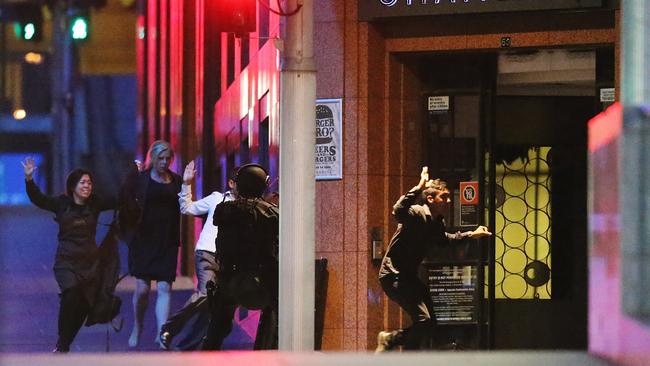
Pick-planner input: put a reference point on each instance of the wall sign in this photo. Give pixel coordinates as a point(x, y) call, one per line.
point(374, 9)
point(438, 103)
point(607, 95)
point(468, 203)
point(329, 139)
point(453, 291)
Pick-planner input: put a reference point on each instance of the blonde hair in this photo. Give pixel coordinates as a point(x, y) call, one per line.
point(157, 147)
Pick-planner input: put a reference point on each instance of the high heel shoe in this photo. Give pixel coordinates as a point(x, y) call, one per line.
point(61, 349)
point(165, 340)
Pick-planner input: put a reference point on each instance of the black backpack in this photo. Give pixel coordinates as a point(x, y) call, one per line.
point(247, 234)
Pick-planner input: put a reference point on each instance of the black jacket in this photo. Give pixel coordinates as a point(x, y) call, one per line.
point(132, 198)
point(248, 233)
point(417, 231)
point(76, 258)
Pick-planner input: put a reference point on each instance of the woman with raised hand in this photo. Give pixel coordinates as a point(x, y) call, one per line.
point(150, 214)
point(76, 262)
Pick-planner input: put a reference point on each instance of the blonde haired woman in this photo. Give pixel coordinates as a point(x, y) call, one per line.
point(150, 202)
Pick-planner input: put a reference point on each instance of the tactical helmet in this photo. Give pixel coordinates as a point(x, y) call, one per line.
point(252, 180)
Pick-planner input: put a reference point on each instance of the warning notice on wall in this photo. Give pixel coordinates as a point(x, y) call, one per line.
point(468, 203)
point(329, 139)
point(438, 103)
point(453, 292)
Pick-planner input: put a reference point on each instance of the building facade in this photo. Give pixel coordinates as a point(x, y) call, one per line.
point(492, 93)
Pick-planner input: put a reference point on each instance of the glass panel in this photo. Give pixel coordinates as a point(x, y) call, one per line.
point(522, 225)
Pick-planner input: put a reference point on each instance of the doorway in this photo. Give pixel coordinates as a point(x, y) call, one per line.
point(514, 123)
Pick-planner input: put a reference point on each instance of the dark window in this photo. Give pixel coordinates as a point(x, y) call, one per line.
point(244, 150)
point(230, 164)
point(263, 23)
point(264, 143)
point(231, 58)
point(245, 51)
point(36, 87)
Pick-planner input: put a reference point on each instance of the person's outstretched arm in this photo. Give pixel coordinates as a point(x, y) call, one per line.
point(189, 207)
point(480, 232)
point(33, 192)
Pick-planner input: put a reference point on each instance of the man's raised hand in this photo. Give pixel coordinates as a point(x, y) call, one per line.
point(424, 178)
point(189, 173)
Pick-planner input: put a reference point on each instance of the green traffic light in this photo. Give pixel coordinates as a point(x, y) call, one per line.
point(79, 28)
point(29, 30)
point(25, 31)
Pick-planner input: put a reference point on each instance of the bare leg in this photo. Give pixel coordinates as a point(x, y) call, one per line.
point(140, 303)
point(162, 303)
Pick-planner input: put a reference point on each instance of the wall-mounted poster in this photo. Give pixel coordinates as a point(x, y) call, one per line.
point(329, 139)
point(468, 203)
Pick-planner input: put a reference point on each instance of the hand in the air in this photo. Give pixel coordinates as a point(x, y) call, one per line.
point(189, 173)
point(138, 164)
point(29, 166)
point(424, 177)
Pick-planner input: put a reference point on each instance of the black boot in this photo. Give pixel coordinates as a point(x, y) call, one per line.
point(61, 348)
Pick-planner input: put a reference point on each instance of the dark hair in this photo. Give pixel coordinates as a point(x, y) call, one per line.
point(433, 188)
point(232, 175)
point(73, 179)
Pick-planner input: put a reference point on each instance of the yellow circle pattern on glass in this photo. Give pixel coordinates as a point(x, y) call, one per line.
point(515, 209)
point(514, 234)
point(514, 286)
point(522, 224)
point(500, 222)
point(537, 247)
point(537, 222)
point(518, 164)
point(514, 183)
point(537, 196)
point(514, 260)
point(536, 165)
point(499, 247)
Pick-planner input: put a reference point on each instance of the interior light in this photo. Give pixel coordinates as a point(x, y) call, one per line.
point(33, 58)
point(20, 114)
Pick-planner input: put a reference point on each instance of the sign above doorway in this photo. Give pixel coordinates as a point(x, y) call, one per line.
point(376, 9)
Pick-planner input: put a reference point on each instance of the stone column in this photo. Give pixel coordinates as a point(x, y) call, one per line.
point(297, 185)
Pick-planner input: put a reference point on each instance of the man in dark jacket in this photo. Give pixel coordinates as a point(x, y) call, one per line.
point(247, 260)
point(419, 227)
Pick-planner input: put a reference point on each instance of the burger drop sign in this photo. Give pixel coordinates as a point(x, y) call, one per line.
point(329, 152)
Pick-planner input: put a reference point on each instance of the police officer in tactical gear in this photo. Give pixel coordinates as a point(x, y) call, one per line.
point(247, 259)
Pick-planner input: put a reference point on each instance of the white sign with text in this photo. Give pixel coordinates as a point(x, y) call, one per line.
point(329, 139)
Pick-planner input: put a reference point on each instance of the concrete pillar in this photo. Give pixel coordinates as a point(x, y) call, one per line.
point(297, 185)
point(634, 174)
point(63, 66)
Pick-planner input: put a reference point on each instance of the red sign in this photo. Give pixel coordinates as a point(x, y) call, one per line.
point(469, 193)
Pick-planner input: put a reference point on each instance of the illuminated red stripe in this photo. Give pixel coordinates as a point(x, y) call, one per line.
point(605, 127)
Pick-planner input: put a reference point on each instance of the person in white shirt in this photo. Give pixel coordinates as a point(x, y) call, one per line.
point(194, 316)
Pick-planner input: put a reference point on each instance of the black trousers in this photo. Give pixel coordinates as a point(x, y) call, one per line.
point(191, 321)
point(413, 297)
point(223, 303)
point(73, 310)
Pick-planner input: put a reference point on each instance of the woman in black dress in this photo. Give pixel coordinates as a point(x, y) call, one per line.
point(76, 262)
point(155, 235)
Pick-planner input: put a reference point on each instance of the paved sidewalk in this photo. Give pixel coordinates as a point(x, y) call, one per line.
point(29, 294)
point(274, 358)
